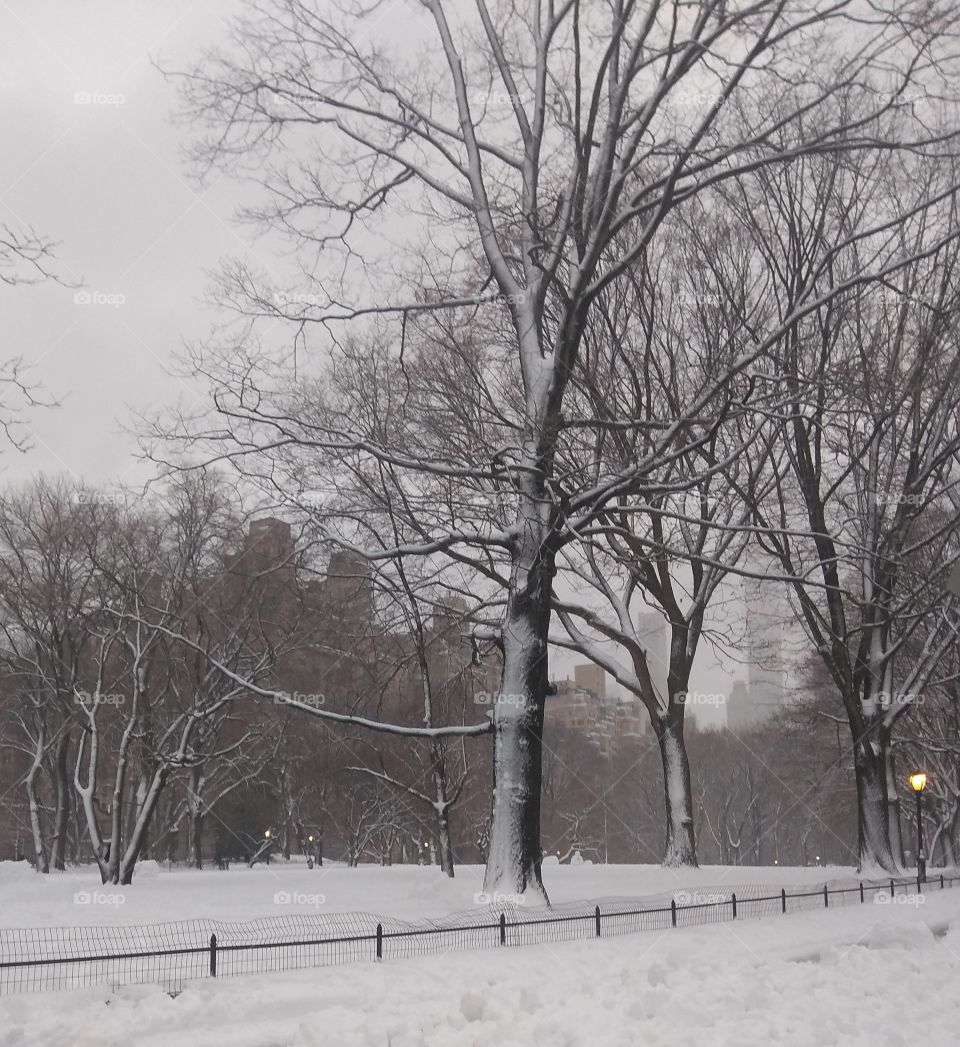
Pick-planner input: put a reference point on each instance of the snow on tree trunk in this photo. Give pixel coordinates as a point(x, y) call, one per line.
point(35, 827)
point(196, 838)
point(138, 837)
point(872, 808)
point(513, 858)
point(681, 848)
point(945, 841)
point(894, 829)
point(196, 815)
point(445, 850)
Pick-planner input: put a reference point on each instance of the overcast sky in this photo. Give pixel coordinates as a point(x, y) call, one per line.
point(91, 160)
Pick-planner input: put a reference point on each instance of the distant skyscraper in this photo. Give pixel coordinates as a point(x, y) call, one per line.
point(652, 630)
point(767, 618)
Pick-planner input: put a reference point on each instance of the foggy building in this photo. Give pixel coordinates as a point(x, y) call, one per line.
point(590, 677)
point(760, 691)
point(608, 721)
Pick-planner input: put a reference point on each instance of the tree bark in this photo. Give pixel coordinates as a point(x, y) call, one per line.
point(196, 817)
point(894, 828)
point(443, 836)
point(61, 820)
point(36, 829)
point(514, 856)
point(870, 771)
point(681, 847)
point(946, 838)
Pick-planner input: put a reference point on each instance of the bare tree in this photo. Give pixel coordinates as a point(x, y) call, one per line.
point(47, 593)
point(532, 209)
point(865, 452)
point(659, 550)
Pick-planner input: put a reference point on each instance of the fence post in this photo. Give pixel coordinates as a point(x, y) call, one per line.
point(213, 956)
point(379, 941)
point(733, 902)
point(919, 882)
point(783, 900)
point(503, 929)
point(596, 913)
point(673, 911)
point(941, 881)
point(891, 888)
point(826, 897)
point(861, 892)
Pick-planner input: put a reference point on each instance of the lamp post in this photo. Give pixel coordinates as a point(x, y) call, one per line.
point(918, 783)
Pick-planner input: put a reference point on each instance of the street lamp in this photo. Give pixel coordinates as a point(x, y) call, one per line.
point(918, 782)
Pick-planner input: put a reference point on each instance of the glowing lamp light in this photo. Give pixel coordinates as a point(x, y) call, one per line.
point(918, 782)
point(311, 838)
point(267, 833)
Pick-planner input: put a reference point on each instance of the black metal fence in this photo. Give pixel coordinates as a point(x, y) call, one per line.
point(173, 954)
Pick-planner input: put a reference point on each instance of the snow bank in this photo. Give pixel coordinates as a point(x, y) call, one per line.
point(16, 872)
point(799, 981)
point(406, 892)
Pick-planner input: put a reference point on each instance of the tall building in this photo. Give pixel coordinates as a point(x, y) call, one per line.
point(590, 677)
point(654, 635)
point(609, 722)
point(766, 664)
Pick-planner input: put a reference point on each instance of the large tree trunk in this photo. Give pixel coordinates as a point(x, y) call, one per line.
point(139, 835)
point(513, 859)
point(441, 808)
point(36, 829)
point(196, 816)
point(61, 818)
point(894, 829)
point(873, 813)
point(946, 836)
point(443, 836)
point(681, 847)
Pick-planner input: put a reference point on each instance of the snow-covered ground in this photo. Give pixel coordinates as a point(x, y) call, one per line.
point(883, 973)
point(405, 891)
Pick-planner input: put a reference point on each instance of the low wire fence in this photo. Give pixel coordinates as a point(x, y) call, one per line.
point(173, 954)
